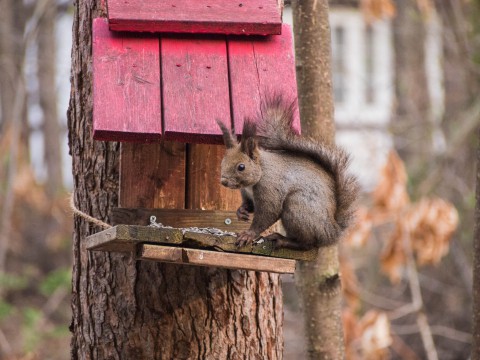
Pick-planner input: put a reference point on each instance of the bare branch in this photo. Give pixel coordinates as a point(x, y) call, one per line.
point(438, 330)
point(6, 348)
point(417, 301)
point(467, 122)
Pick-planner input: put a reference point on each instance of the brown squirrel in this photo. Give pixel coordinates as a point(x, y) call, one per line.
point(286, 176)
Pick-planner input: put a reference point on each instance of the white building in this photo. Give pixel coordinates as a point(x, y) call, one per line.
point(363, 79)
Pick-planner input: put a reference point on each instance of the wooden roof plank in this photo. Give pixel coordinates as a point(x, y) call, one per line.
point(258, 67)
point(199, 83)
point(195, 88)
point(245, 17)
point(126, 86)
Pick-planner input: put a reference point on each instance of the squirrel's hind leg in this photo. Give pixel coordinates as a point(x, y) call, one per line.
point(281, 241)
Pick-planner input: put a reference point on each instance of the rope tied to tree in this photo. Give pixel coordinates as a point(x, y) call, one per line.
point(153, 223)
point(87, 217)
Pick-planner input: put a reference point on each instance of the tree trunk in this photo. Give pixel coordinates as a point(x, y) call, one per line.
point(318, 282)
point(313, 63)
point(123, 309)
point(412, 120)
point(21, 14)
point(13, 115)
point(48, 98)
point(474, 54)
point(476, 267)
point(8, 70)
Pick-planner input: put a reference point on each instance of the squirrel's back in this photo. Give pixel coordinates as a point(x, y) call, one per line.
point(275, 133)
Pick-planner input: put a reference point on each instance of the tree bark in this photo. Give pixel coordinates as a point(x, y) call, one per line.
point(475, 53)
point(313, 63)
point(318, 282)
point(48, 98)
point(123, 309)
point(476, 267)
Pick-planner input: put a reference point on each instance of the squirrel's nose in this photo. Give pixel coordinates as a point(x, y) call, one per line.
point(224, 181)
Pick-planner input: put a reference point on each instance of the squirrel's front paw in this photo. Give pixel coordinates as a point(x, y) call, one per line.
point(242, 213)
point(245, 238)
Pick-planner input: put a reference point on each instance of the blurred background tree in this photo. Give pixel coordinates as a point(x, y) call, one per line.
point(35, 226)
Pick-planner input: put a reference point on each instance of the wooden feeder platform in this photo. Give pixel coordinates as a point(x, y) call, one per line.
point(190, 247)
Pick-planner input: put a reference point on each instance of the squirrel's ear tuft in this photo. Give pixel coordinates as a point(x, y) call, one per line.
point(249, 128)
point(249, 147)
point(228, 137)
point(249, 143)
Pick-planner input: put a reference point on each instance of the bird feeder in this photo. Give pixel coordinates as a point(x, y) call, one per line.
point(165, 71)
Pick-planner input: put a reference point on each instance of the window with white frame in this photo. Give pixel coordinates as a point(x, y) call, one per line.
point(361, 67)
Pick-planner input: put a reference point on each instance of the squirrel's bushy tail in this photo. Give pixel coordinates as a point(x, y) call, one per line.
point(275, 133)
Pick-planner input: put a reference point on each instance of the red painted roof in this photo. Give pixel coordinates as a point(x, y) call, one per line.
point(152, 87)
point(245, 17)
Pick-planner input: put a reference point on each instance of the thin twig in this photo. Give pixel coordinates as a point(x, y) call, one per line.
point(417, 301)
point(402, 349)
point(438, 330)
point(403, 311)
point(453, 334)
point(6, 348)
point(468, 122)
point(52, 304)
point(378, 300)
point(426, 334)
point(463, 265)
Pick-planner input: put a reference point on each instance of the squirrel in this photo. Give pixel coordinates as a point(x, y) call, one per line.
point(283, 175)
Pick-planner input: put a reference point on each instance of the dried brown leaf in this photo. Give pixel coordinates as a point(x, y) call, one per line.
point(390, 195)
point(351, 335)
point(367, 338)
point(377, 9)
point(431, 224)
point(426, 7)
point(393, 256)
point(27, 189)
point(360, 232)
point(375, 335)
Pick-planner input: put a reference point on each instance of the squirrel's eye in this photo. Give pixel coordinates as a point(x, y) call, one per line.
point(241, 167)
